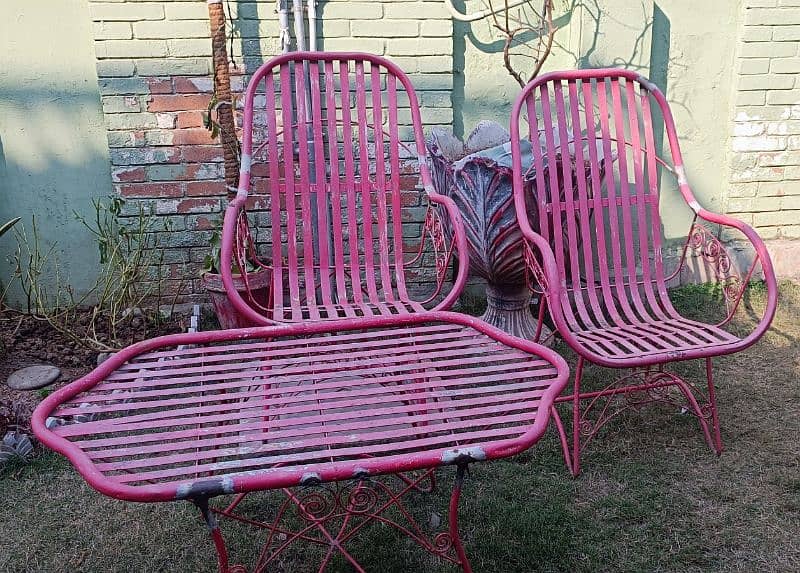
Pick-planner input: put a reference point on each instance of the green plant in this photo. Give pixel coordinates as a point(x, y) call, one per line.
point(131, 274)
point(213, 260)
point(4, 228)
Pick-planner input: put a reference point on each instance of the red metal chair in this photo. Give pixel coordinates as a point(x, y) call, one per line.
point(362, 383)
point(595, 245)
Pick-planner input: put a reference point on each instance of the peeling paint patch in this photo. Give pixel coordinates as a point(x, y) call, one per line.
point(475, 454)
point(204, 488)
point(310, 478)
point(360, 473)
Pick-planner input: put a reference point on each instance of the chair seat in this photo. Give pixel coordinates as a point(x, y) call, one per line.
point(238, 414)
point(673, 337)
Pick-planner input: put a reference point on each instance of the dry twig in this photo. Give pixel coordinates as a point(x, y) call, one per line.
point(541, 25)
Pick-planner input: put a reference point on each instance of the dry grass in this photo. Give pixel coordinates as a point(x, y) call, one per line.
point(652, 496)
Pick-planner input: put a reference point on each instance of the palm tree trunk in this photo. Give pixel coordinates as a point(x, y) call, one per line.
point(222, 89)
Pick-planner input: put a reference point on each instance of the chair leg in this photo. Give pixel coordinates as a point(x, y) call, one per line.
point(562, 436)
point(217, 538)
point(712, 404)
point(576, 420)
point(453, 520)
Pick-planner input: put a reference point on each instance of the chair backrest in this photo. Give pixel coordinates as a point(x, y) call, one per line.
point(334, 134)
point(592, 188)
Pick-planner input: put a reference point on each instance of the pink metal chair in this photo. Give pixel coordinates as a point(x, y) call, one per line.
point(362, 383)
point(595, 245)
point(341, 184)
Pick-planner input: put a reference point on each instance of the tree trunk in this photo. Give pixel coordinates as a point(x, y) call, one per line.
point(222, 89)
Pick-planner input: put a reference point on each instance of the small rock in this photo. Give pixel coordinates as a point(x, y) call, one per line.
point(33, 377)
point(102, 357)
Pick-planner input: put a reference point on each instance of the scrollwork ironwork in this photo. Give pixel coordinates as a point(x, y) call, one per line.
point(705, 244)
point(654, 386)
point(442, 250)
point(534, 271)
point(331, 514)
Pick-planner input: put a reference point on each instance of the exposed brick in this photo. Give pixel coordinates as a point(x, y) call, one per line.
point(198, 205)
point(205, 188)
point(193, 136)
point(147, 190)
point(195, 85)
point(202, 153)
point(178, 102)
point(160, 85)
point(204, 171)
point(128, 174)
point(189, 119)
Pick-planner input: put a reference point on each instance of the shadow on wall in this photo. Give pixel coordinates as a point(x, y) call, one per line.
point(50, 166)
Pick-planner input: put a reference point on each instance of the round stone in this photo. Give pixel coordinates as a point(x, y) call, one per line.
point(33, 377)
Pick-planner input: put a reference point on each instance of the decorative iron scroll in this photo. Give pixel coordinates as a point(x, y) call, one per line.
point(654, 386)
point(703, 243)
point(442, 248)
point(534, 274)
point(330, 515)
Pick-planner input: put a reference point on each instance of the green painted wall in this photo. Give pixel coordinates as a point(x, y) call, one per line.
point(53, 148)
point(669, 40)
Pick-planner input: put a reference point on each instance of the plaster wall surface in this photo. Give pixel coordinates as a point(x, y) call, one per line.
point(53, 149)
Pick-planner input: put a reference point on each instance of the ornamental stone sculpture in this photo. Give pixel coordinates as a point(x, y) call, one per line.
point(476, 174)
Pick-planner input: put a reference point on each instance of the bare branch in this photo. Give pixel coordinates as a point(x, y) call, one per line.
point(512, 27)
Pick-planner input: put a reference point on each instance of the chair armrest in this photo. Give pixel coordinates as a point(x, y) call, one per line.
point(230, 229)
point(722, 267)
point(444, 252)
point(542, 265)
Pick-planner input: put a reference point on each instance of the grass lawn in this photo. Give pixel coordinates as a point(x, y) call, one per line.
point(652, 496)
